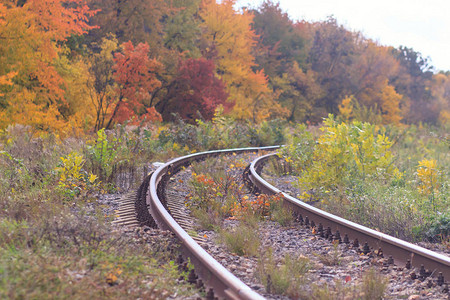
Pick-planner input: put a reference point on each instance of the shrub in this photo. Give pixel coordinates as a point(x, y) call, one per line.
point(438, 228)
point(298, 153)
point(73, 180)
point(345, 152)
point(261, 207)
point(102, 154)
point(428, 175)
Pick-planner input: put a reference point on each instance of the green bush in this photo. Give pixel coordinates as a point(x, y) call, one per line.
point(102, 154)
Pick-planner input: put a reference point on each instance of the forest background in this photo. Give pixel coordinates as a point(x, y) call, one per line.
point(70, 67)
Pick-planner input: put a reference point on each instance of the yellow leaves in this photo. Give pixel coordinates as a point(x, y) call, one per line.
point(32, 57)
point(73, 180)
point(346, 107)
point(390, 105)
point(440, 89)
point(229, 30)
point(23, 109)
point(92, 178)
point(427, 172)
point(6, 79)
point(113, 276)
point(231, 34)
point(444, 117)
point(345, 149)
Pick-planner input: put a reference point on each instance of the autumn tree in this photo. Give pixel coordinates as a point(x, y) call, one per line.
point(78, 112)
point(196, 90)
point(281, 53)
point(101, 84)
point(370, 74)
point(229, 37)
point(298, 92)
point(134, 72)
point(371, 67)
point(280, 44)
point(32, 59)
point(331, 54)
point(413, 81)
point(440, 89)
point(132, 20)
point(182, 28)
point(390, 105)
point(181, 35)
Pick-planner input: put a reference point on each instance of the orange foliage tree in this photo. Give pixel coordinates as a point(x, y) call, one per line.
point(229, 37)
point(441, 95)
point(35, 32)
point(135, 74)
point(370, 75)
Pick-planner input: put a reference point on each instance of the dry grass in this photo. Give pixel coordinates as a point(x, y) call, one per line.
point(52, 247)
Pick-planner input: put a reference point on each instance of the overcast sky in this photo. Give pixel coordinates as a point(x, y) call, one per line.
point(422, 25)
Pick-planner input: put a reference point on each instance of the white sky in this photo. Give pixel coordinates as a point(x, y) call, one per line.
point(423, 25)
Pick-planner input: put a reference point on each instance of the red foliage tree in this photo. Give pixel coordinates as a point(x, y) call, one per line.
point(135, 74)
point(195, 89)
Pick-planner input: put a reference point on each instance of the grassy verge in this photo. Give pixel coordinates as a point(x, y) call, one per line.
point(53, 252)
point(55, 240)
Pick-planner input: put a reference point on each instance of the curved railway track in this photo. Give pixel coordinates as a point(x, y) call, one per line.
point(221, 282)
point(153, 209)
point(336, 228)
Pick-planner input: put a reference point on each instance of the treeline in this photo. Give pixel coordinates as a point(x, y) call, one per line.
point(77, 65)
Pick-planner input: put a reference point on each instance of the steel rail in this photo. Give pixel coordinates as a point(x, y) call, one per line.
point(225, 284)
point(400, 250)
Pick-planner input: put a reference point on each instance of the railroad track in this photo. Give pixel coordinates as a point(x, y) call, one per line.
point(220, 282)
point(156, 207)
point(429, 263)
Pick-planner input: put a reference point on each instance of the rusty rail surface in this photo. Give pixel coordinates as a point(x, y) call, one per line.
point(221, 282)
point(436, 264)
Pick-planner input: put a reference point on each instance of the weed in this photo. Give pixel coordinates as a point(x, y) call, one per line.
point(241, 239)
point(373, 286)
point(281, 214)
point(213, 193)
point(337, 292)
point(207, 218)
point(333, 257)
point(53, 247)
point(261, 206)
point(285, 277)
